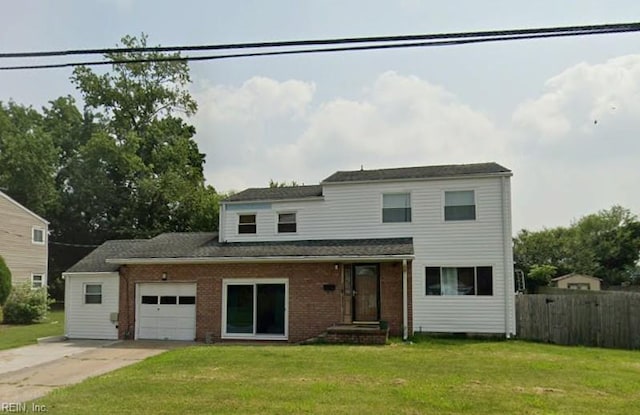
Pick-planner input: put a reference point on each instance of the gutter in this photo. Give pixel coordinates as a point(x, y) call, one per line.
point(258, 259)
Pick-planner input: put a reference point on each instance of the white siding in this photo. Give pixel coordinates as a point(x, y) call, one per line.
point(354, 211)
point(90, 321)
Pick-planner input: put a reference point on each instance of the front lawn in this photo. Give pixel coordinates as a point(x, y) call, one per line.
point(21, 335)
point(431, 377)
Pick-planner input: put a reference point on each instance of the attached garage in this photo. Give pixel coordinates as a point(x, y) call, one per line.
point(166, 311)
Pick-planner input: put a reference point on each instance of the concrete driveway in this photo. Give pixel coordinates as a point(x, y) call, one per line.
point(30, 372)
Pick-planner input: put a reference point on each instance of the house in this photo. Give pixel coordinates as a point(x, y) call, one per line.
point(577, 282)
point(23, 242)
point(420, 248)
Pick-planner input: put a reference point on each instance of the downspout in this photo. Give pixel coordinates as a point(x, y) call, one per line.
point(221, 209)
point(405, 305)
point(506, 242)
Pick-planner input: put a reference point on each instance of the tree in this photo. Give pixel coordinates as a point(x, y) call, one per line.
point(540, 276)
point(5, 281)
point(273, 183)
point(605, 244)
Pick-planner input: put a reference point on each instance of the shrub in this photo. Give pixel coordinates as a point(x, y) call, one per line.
point(5, 281)
point(26, 305)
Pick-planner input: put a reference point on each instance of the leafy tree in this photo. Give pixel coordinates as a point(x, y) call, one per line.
point(5, 281)
point(292, 183)
point(539, 276)
point(605, 244)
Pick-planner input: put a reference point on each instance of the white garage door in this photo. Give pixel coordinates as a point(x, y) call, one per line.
point(166, 311)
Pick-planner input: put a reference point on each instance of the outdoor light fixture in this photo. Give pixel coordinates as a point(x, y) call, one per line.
point(164, 276)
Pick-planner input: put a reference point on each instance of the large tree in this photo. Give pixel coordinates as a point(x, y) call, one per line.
point(605, 244)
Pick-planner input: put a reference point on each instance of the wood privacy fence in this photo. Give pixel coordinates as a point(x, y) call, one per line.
point(604, 319)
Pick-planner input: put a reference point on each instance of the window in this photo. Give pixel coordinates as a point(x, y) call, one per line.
point(286, 222)
point(459, 205)
point(255, 309)
point(459, 281)
point(93, 294)
point(37, 280)
point(149, 299)
point(37, 235)
point(396, 207)
point(168, 299)
point(247, 223)
point(579, 286)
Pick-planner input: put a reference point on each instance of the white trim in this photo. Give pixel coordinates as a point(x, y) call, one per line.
point(23, 208)
point(255, 222)
point(475, 267)
point(44, 235)
point(97, 273)
point(300, 199)
point(253, 282)
point(475, 204)
point(211, 260)
point(277, 221)
point(381, 207)
point(84, 293)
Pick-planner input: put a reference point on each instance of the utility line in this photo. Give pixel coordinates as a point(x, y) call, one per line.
point(457, 39)
point(605, 28)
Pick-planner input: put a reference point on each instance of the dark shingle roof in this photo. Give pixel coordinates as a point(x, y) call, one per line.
point(206, 245)
point(276, 193)
point(423, 172)
point(95, 261)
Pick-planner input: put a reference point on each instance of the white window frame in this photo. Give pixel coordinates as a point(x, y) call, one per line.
point(84, 293)
point(444, 204)
point(475, 266)
point(399, 192)
point(286, 212)
point(42, 280)
point(255, 214)
point(254, 281)
point(33, 234)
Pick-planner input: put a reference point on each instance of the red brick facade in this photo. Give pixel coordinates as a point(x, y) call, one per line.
point(311, 308)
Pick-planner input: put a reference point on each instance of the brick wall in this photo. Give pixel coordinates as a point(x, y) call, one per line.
point(311, 309)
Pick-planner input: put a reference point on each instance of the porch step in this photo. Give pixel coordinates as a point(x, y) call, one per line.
point(357, 334)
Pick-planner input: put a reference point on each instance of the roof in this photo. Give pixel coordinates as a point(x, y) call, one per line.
point(6, 196)
point(276, 193)
point(206, 245)
point(96, 260)
point(422, 172)
point(564, 277)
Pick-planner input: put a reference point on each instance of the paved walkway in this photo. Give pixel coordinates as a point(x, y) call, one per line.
point(30, 372)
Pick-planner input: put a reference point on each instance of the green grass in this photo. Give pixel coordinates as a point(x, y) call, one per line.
point(21, 335)
point(432, 376)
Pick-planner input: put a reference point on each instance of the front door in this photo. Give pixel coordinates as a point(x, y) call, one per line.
point(366, 294)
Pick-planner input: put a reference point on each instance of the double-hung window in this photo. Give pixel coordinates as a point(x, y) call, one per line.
point(93, 293)
point(287, 223)
point(459, 281)
point(459, 205)
point(37, 281)
point(247, 223)
point(37, 235)
point(396, 207)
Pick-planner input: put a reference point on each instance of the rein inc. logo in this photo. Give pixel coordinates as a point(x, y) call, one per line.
point(18, 407)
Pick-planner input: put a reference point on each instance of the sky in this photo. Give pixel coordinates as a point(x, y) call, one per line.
point(563, 114)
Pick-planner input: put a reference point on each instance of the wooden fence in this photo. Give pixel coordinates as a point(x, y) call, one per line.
point(603, 319)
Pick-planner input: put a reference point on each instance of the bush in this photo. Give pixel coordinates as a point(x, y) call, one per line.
point(26, 305)
point(5, 281)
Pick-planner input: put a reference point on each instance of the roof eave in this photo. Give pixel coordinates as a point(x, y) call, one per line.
point(262, 259)
point(11, 200)
point(421, 179)
point(297, 199)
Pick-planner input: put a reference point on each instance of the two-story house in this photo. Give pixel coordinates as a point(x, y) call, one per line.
point(23, 242)
point(421, 248)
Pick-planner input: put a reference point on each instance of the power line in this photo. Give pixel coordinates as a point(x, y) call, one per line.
point(455, 39)
point(604, 28)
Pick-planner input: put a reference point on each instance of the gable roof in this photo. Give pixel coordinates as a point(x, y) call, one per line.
point(276, 193)
point(11, 200)
point(421, 172)
point(564, 277)
point(95, 261)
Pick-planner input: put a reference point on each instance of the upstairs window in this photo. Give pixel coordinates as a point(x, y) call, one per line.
point(93, 294)
point(459, 205)
point(396, 207)
point(247, 223)
point(459, 281)
point(37, 235)
point(287, 222)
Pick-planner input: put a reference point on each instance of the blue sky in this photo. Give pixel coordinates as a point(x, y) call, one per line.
point(528, 105)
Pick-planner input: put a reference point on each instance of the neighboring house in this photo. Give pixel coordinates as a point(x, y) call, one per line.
point(577, 282)
point(23, 242)
point(421, 248)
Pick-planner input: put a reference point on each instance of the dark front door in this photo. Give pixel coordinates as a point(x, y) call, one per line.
point(366, 294)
